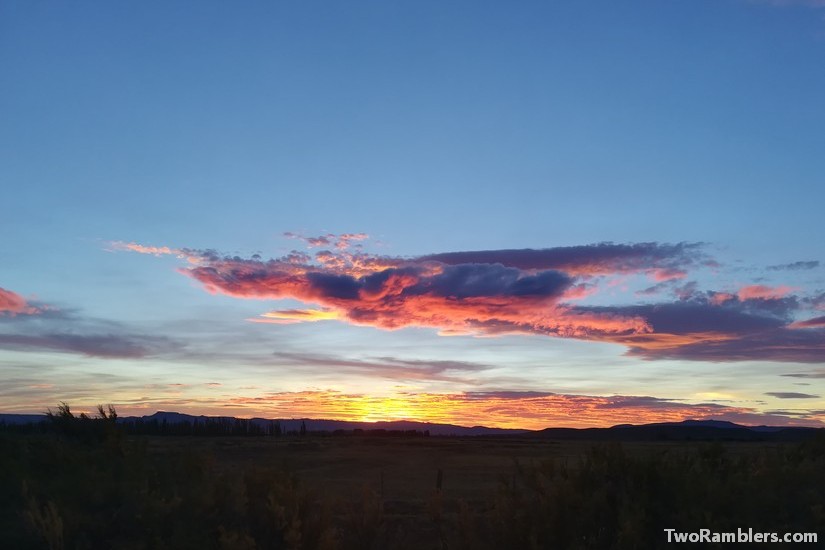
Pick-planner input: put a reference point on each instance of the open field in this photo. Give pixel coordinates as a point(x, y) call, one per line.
point(383, 492)
point(472, 468)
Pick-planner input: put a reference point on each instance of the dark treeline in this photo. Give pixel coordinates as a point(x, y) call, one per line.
point(63, 421)
point(208, 427)
point(106, 423)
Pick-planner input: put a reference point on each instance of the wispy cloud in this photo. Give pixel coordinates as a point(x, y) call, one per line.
point(815, 374)
point(791, 395)
point(339, 242)
point(663, 261)
point(391, 368)
point(66, 331)
point(291, 316)
point(815, 322)
point(91, 345)
point(795, 266)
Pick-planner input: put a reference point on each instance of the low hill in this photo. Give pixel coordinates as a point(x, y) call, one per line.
point(688, 430)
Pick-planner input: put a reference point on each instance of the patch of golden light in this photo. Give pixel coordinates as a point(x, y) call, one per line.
point(289, 316)
point(714, 395)
point(385, 408)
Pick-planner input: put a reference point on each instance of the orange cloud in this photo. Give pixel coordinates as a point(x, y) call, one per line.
point(290, 316)
point(494, 292)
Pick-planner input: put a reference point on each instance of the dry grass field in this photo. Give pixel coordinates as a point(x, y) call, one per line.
point(371, 492)
point(406, 469)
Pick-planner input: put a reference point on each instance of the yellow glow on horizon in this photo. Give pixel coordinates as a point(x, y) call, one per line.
point(517, 410)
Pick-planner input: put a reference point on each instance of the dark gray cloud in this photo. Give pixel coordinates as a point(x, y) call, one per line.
point(815, 374)
point(780, 344)
point(91, 345)
point(474, 280)
point(791, 395)
point(597, 258)
point(692, 317)
point(795, 266)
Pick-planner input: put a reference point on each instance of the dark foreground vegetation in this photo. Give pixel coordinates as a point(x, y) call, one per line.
point(85, 485)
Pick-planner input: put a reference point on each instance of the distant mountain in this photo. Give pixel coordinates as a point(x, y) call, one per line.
point(17, 419)
point(323, 425)
point(293, 424)
point(687, 430)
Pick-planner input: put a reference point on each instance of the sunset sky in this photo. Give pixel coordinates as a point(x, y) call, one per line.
point(515, 214)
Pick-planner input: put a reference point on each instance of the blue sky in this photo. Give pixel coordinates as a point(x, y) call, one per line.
point(432, 127)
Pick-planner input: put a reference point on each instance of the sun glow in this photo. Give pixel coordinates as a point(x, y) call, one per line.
point(385, 408)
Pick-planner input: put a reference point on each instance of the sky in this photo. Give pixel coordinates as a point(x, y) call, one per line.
point(532, 214)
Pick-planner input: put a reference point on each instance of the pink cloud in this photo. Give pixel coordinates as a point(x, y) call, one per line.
point(668, 274)
point(718, 298)
point(12, 304)
point(761, 292)
point(816, 322)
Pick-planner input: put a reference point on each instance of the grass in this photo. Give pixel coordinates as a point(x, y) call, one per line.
point(68, 492)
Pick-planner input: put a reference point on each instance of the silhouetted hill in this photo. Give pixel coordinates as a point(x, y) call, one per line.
point(17, 419)
point(688, 430)
point(323, 425)
point(292, 424)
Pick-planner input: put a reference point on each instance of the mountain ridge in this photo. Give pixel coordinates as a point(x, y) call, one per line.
point(690, 429)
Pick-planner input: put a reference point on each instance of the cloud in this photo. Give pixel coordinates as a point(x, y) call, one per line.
point(791, 395)
point(781, 345)
point(190, 255)
point(814, 374)
point(816, 302)
point(663, 261)
point(339, 242)
point(655, 289)
point(526, 291)
point(291, 316)
point(816, 322)
point(700, 330)
point(761, 292)
point(67, 331)
point(795, 266)
point(110, 346)
point(455, 297)
point(12, 304)
point(387, 367)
